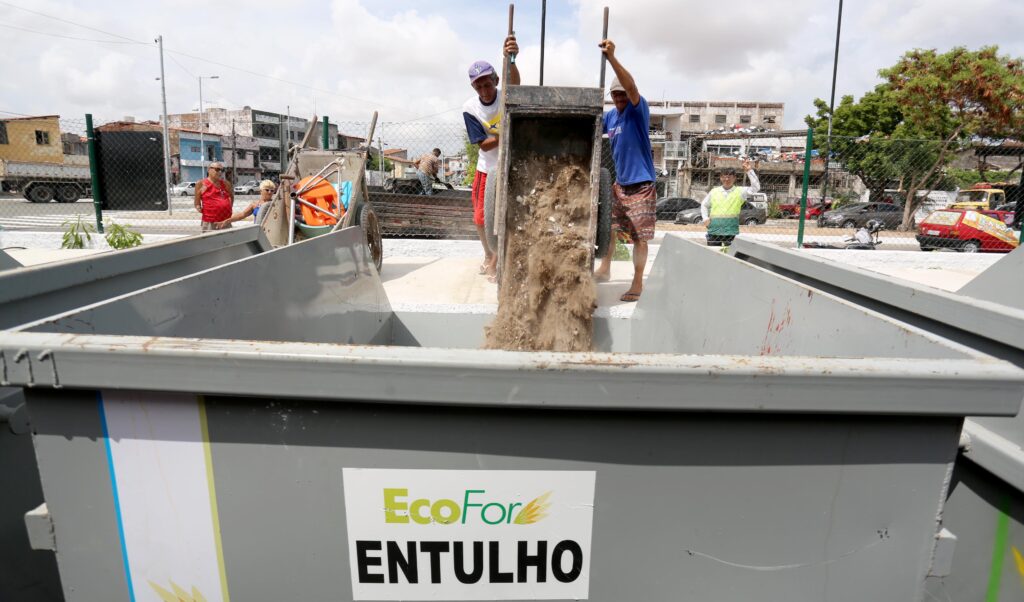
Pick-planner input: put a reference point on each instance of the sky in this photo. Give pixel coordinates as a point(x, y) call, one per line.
point(408, 60)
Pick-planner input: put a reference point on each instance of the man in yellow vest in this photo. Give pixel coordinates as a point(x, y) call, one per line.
point(721, 207)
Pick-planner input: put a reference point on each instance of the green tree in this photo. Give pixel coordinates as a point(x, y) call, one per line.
point(962, 94)
point(867, 138)
point(472, 153)
point(951, 98)
point(374, 163)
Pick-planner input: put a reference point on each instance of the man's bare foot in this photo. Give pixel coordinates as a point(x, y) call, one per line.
point(600, 276)
point(630, 297)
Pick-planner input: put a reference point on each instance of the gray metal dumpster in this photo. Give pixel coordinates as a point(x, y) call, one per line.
point(200, 445)
point(30, 293)
point(985, 509)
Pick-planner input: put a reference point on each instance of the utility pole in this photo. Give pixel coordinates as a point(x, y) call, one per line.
point(167, 140)
point(283, 149)
point(234, 154)
point(202, 126)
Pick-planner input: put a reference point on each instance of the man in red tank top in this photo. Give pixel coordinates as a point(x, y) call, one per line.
point(214, 197)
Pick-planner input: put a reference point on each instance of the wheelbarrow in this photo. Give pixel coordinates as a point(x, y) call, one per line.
point(328, 188)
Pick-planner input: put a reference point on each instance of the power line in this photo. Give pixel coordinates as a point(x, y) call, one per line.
point(34, 12)
point(57, 35)
point(284, 81)
point(428, 116)
point(183, 68)
point(219, 64)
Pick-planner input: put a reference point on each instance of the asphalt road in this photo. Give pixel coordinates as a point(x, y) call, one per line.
point(16, 213)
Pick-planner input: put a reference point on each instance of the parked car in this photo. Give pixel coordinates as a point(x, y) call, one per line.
point(668, 207)
point(749, 215)
point(184, 189)
point(411, 185)
point(966, 231)
point(250, 187)
point(815, 207)
point(1011, 209)
point(759, 200)
point(857, 215)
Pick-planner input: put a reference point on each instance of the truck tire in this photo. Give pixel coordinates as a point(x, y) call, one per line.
point(604, 214)
point(367, 220)
point(68, 193)
point(39, 193)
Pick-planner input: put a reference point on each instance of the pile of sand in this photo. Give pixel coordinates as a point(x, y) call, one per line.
point(547, 296)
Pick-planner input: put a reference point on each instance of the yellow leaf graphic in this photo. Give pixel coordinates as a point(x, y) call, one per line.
point(177, 594)
point(533, 512)
point(1019, 560)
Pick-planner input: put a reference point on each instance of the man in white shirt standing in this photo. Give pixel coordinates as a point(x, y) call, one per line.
point(721, 208)
point(482, 114)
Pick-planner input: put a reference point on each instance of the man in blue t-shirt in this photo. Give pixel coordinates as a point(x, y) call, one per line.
point(633, 210)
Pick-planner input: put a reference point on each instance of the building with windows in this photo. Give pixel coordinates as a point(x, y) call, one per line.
point(31, 139)
point(264, 126)
point(194, 151)
point(242, 158)
point(674, 124)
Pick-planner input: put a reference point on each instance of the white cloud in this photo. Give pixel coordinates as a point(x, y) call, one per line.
point(408, 59)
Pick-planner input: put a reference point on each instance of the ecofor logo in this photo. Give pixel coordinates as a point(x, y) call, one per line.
point(461, 535)
point(447, 511)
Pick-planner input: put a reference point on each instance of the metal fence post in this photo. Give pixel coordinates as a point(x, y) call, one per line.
point(326, 137)
point(94, 176)
point(803, 193)
point(1020, 192)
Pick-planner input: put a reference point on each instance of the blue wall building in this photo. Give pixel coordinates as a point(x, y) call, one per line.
point(192, 154)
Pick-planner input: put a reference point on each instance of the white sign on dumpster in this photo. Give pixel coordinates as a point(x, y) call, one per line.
point(469, 534)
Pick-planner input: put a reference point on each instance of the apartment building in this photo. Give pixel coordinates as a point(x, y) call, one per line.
point(264, 126)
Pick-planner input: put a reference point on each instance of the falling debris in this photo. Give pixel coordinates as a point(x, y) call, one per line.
point(547, 298)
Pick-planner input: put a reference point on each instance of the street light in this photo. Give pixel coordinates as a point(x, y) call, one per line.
point(831, 104)
point(202, 125)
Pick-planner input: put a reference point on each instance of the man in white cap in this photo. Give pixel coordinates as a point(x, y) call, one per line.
point(633, 205)
point(482, 114)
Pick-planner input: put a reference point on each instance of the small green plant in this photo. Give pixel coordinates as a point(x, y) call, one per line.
point(773, 210)
point(621, 252)
point(120, 237)
point(76, 234)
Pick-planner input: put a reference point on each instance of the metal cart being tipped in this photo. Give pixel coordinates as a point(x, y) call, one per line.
point(295, 215)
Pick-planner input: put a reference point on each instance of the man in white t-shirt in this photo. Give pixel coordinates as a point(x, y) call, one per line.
point(482, 114)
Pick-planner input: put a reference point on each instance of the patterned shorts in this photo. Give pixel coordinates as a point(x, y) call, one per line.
point(633, 210)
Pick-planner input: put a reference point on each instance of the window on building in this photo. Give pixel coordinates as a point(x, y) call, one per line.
point(240, 153)
point(193, 149)
point(694, 118)
point(744, 118)
point(211, 154)
point(719, 118)
point(265, 130)
point(769, 118)
point(3, 133)
point(42, 138)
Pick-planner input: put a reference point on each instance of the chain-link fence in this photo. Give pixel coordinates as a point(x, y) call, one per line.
point(911, 194)
point(146, 182)
point(690, 166)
